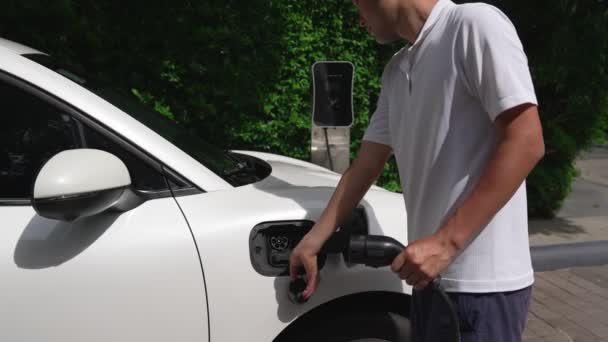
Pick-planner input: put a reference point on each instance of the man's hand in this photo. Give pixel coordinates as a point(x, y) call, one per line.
point(305, 255)
point(423, 260)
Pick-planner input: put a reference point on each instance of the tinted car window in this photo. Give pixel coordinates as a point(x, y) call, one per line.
point(224, 164)
point(143, 176)
point(31, 132)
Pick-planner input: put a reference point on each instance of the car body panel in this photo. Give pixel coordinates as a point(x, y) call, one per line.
point(111, 277)
point(222, 222)
point(17, 48)
point(295, 172)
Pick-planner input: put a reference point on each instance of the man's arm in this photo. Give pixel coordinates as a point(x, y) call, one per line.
point(353, 185)
point(519, 149)
point(355, 182)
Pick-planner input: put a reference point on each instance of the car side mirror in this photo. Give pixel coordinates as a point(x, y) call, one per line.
point(82, 182)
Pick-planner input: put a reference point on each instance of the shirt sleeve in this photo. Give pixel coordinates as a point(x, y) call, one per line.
point(377, 130)
point(493, 61)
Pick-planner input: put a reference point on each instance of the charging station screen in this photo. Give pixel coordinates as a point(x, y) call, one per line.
point(333, 94)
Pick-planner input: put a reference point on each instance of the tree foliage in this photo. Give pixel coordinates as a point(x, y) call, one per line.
point(567, 46)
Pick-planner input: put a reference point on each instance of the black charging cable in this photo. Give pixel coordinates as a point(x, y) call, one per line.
point(331, 163)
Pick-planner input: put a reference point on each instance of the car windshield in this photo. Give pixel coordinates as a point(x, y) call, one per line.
point(219, 161)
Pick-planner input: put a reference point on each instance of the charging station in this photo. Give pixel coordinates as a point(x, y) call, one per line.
point(332, 114)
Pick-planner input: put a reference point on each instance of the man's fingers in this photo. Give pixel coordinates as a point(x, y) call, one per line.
point(398, 262)
point(294, 265)
point(422, 283)
point(312, 276)
point(413, 278)
point(407, 270)
point(310, 266)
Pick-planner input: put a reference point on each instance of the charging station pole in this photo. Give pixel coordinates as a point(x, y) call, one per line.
point(332, 114)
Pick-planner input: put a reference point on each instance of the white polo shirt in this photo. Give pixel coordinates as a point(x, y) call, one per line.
point(436, 110)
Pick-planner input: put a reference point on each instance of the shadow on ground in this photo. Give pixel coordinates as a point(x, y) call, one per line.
point(557, 225)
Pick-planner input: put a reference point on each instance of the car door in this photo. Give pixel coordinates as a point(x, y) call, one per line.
point(132, 276)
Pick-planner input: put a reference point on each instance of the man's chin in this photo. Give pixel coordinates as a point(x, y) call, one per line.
point(385, 41)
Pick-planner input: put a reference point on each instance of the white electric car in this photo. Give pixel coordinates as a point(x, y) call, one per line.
point(117, 225)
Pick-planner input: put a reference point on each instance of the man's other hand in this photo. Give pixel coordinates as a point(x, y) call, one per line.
point(423, 260)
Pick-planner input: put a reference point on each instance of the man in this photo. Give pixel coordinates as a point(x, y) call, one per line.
point(458, 111)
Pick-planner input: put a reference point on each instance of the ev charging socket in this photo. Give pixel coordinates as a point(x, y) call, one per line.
point(332, 114)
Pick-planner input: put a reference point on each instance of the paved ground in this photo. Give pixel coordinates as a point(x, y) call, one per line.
point(569, 305)
point(584, 215)
point(572, 304)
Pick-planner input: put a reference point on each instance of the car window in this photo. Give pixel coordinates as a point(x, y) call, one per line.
point(226, 165)
point(143, 176)
point(31, 132)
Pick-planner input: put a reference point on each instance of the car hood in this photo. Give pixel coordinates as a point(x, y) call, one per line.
point(288, 171)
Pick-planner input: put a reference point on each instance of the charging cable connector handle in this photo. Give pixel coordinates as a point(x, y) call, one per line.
point(372, 250)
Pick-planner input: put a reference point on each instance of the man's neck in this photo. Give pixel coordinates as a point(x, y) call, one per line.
point(412, 16)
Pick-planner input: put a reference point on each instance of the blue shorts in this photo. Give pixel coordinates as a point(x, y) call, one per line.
point(496, 317)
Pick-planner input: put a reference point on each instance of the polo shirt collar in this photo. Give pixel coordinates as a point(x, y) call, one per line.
point(436, 13)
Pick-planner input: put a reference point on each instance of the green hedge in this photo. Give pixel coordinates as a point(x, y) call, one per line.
point(567, 46)
point(238, 73)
